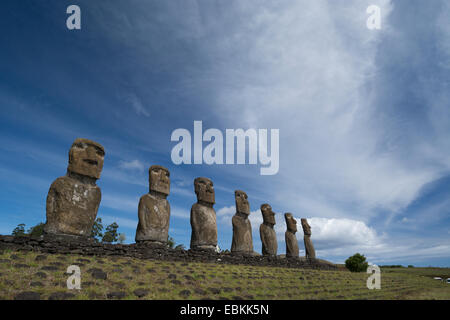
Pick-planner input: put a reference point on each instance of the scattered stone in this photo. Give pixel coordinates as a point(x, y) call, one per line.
point(40, 257)
point(199, 291)
point(27, 295)
point(99, 274)
point(141, 292)
point(50, 268)
point(185, 293)
point(188, 277)
point(116, 295)
point(21, 265)
point(61, 296)
point(226, 289)
point(5, 261)
point(176, 282)
point(214, 290)
point(36, 284)
point(14, 257)
point(237, 298)
point(171, 276)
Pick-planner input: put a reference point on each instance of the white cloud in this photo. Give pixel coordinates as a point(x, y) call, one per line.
point(137, 105)
point(132, 165)
point(120, 202)
point(122, 222)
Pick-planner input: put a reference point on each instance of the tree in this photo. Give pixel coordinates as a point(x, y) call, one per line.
point(170, 242)
point(122, 238)
point(356, 263)
point(19, 231)
point(97, 229)
point(37, 230)
point(111, 235)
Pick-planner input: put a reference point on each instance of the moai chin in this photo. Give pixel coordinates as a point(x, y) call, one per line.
point(154, 209)
point(242, 229)
point(73, 200)
point(266, 231)
point(203, 216)
point(292, 250)
point(309, 248)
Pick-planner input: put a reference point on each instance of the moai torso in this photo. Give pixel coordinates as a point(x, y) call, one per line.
point(309, 248)
point(292, 250)
point(242, 229)
point(203, 216)
point(154, 209)
point(267, 232)
point(73, 200)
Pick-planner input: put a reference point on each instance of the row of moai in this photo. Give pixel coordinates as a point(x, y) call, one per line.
point(73, 201)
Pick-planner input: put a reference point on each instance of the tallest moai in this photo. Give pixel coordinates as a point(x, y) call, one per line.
point(73, 200)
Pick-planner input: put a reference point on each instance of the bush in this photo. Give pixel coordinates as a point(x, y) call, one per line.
point(19, 231)
point(356, 263)
point(37, 230)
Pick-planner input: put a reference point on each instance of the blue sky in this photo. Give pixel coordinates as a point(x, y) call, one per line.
point(364, 115)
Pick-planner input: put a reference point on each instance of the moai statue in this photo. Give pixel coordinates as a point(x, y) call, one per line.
point(289, 236)
point(154, 209)
point(242, 229)
point(266, 231)
point(203, 216)
point(73, 200)
point(309, 248)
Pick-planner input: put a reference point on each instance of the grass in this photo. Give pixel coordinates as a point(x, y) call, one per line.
point(21, 271)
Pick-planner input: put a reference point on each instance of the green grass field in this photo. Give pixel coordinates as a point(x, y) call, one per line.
point(128, 278)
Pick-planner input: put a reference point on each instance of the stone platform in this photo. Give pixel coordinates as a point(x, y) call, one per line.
point(60, 245)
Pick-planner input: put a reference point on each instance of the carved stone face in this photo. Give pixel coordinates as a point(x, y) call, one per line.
point(291, 223)
point(242, 205)
point(268, 214)
point(204, 190)
point(159, 179)
point(86, 158)
point(306, 227)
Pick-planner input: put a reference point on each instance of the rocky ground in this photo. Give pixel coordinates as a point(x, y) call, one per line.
point(37, 275)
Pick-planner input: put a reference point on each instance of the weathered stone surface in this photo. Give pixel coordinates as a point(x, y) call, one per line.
point(266, 231)
point(73, 200)
point(203, 216)
point(242, 229)
point(141, 292)
point(292, 250)
point(309, 248)
point(154, 209)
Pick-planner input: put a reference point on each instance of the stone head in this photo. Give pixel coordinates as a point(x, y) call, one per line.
point(268, 214)
point(204, 190)
point(86, 158)
point(291, 223)
point(159, 179)
point(242, 205)
point(306, 227)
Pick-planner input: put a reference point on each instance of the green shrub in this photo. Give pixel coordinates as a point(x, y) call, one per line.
point(356, 263)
